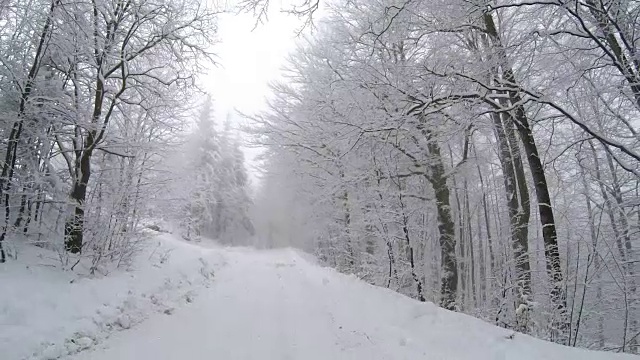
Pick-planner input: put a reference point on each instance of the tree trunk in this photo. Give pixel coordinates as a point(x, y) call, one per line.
point(472, 265)
point(9, 163)
point(384, 228)
point(518, 208)
point(29, 215)
point(405, 231)
point(467, 218)
point(608, 209)
point(344, 198)
point(22, 210)
point(628, 265)
point(595, 256)
point(487, 223)
point(74, 226)
point(446, 226)
point(461, 243)
point(616, 51)
point(549, 233)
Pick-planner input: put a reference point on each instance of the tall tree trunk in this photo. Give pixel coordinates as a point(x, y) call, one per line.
point(628, 264)
point(344, 198)
point(516, 191)
point(595, 256)
point(83, 149)
point(462, 249)
point(608, 209)
point(405, 231)
point(10, 158)
point(472, 264)
point(623, 54)
point(384, 229)
point(487, 225)
point(518, 209)
point(446, 225)
point(549, 233)
point(545, 210)
point(466, 219)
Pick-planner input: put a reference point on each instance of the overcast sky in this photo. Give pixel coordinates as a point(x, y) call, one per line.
point(249, 59)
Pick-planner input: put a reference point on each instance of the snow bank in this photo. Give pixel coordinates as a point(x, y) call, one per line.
point(46, 313)
point(276, 305)
point(371, 322)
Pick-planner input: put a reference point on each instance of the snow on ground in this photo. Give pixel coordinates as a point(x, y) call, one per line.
point(47, 313)
point(279, 305)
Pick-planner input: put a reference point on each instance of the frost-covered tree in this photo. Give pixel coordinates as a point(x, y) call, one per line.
point(216, 201)
point(479, 154)
point(234, 224)
point(204, 171)
point(91, 95)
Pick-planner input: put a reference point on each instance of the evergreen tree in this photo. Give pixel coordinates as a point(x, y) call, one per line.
point(233, 200)
point(217, 204)
point(202, 201)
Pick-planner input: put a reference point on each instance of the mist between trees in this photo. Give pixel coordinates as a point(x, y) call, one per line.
point(482, 155)
point(102, 129)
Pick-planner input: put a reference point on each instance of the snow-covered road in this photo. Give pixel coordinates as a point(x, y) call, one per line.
point(277, 305)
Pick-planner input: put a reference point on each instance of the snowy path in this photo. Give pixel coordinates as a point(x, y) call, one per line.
point(276, 305)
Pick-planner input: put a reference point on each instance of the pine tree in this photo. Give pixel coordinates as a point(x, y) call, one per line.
point(217, 204)
point(233, 222)
point(202, 202)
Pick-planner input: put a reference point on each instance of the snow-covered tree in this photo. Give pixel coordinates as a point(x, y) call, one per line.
point(216, 202)
point(204, 170)
point(90, 93)
point(479, 154)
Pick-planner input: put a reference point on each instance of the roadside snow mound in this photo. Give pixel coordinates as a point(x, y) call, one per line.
point(47, 313)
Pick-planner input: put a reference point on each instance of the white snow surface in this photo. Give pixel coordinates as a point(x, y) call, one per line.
point(261, 304)
point(48, 313)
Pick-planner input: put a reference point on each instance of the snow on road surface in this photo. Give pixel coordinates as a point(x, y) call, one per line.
point(277, 305)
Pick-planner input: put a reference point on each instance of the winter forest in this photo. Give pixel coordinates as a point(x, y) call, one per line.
point(99, 127)
point(483, 155)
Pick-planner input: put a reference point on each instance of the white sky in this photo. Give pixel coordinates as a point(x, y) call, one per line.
point(248, 60)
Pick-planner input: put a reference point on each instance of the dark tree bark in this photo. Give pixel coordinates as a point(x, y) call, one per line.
point(518, 206)
point(446, 225)
point(463, 269)
point(74, 226)
point(467, 219)
point(405, 231)
point(622, 54)
point(549, 233)
point(22, 210)
point(10, 158)
point(344, 198)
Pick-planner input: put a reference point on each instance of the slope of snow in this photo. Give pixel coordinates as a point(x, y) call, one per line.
point(278, 305)
point(46, 313)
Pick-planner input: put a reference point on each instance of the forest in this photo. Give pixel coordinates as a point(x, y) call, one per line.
point(482, 155)
point(105, 127)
